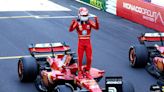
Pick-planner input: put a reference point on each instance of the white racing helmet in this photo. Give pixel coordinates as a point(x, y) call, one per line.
point(83, 14)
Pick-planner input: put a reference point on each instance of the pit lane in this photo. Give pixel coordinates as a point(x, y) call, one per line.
point(110, 44)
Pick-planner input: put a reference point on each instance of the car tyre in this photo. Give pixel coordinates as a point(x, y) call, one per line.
point(63, 88)
point(138, 56)
point(27, 69)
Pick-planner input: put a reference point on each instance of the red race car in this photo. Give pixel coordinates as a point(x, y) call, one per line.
point(53, 68)
point(149, 54)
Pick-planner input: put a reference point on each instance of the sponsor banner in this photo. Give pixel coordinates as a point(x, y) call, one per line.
point(147, 14)
point(100, 4)
point(111, 6)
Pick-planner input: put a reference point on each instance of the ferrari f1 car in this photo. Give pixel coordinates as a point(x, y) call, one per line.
point(149, 54)
point(53, 68)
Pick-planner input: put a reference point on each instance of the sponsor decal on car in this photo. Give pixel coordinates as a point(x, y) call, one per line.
point(112, 89)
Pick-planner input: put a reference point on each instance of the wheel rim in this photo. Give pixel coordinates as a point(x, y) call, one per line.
point(132, 56)
point(20, 70)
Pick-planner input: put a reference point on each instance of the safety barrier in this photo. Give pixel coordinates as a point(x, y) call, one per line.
point(99, 4)
point(147, 14)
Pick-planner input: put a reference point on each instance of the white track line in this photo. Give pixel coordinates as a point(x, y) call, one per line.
point(38, 17)
point(60, 17)
point(13, 57)
point(43, 17)
point(17, 57)
point(17, 17)
point(55, 17)
point(74, 7)
point(29, 15)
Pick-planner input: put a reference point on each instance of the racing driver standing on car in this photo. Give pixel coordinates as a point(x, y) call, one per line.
point(83, 25)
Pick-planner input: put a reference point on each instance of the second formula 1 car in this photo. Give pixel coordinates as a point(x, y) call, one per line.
point(149, 54)
point(53, 68)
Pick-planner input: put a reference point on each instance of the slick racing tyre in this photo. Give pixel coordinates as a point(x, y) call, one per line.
point(127, 87)
point(138, 56)
point(63, 88)
point(27, 69)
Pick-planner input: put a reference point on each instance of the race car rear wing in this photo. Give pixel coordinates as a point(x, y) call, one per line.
point(48, 48)
point(151, 37)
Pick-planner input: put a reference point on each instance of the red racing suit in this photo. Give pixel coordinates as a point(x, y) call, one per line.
point(84, 44)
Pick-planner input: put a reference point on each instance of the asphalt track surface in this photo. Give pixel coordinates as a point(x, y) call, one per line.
point(110, 44)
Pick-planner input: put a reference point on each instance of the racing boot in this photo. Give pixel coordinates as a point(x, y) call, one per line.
point(80, 75)
point(88, 75)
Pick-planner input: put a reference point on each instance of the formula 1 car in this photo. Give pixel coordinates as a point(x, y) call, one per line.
point(149, 54)
point(53, 68)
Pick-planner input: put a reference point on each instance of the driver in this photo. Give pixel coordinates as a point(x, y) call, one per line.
point(83, 25)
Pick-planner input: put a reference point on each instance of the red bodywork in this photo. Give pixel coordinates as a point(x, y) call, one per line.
point(40, 48)
point(155, 37)
point(151, 37)
point(159, 61)
point(62, 71)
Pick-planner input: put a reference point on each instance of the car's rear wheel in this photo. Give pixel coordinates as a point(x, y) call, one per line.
point(63, 88)
point(27, 69)
point(138, 56)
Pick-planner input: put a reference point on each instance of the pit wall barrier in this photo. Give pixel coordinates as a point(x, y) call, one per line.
point(98, 4)
point(147, 14)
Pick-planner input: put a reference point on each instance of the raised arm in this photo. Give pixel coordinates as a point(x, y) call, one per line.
point(73, 25)
point(95, 24)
